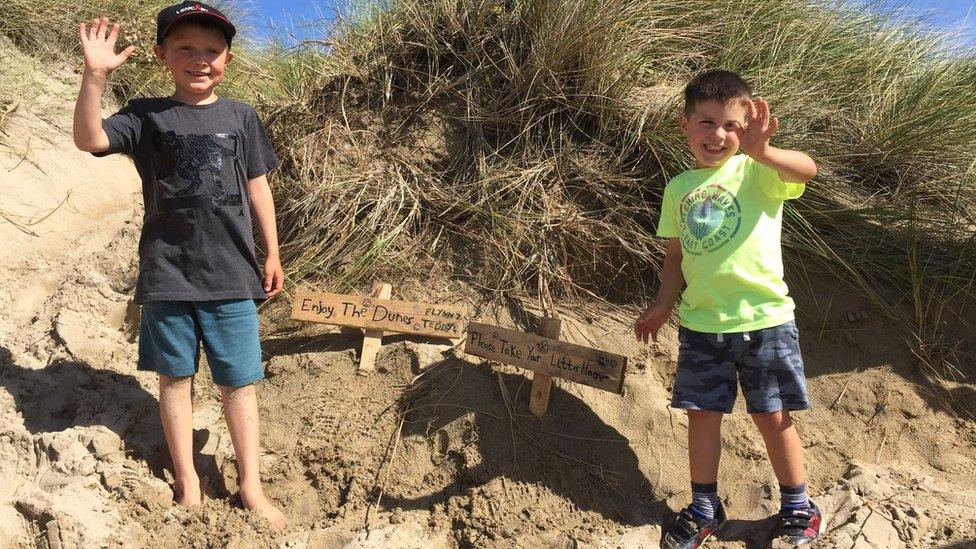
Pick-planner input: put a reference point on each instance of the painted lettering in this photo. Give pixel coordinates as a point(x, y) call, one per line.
point(563, 363)
point(510, 350)
point(317, 308)
point(476, 339)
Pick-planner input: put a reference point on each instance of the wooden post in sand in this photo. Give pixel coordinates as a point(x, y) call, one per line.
point(373, 339)
point(542, 383)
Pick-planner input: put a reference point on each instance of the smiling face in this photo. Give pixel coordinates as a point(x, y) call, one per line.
point(710, 129)
point(196, 57)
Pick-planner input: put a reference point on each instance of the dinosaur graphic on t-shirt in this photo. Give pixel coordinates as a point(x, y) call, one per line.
point(188, 157)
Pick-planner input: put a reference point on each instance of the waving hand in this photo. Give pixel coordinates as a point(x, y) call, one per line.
point(98, 46)
point(754, 138)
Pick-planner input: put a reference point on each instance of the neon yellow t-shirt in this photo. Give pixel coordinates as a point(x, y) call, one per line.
point(729, 220)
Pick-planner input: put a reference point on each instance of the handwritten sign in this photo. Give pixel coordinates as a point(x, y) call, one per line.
point(584, 365)
point(380, 314)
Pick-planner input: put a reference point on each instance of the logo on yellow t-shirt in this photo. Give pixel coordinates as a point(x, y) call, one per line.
point(710, 218)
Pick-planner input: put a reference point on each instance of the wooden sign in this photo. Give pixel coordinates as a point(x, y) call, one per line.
point(380, 314)
point(556, 358)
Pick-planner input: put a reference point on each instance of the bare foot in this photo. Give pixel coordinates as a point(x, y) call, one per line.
point(187, 493)
point(256, 501)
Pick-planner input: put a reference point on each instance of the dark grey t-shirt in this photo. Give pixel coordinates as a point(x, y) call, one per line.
point(195, 161)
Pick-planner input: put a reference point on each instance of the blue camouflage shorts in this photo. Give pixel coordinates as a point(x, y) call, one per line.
point(766, 362)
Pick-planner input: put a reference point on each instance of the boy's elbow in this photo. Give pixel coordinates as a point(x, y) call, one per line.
point(80, 142)
point(90, 146)
point(92, 141)
point(810, 172)
point(808, 176)
point(82, 145)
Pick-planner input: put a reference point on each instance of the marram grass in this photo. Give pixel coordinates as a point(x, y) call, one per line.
point(528, 143)
point(523, 146)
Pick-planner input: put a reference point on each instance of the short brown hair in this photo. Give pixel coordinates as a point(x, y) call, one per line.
point(715, 85)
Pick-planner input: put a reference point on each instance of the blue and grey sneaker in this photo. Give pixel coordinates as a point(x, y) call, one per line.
point(690, 531)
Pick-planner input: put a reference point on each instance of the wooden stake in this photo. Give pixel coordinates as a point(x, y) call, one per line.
point(373, 339)
point(542, 383)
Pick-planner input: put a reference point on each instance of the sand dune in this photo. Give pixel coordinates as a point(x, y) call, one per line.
point(83, 461)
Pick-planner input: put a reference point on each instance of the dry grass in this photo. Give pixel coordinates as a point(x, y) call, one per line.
point(523, 145)
point(528, 143)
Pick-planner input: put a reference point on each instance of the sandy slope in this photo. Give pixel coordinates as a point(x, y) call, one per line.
point(83, 464)
point(48, 272)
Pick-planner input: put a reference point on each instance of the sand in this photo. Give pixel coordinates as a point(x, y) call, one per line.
point(425, 452)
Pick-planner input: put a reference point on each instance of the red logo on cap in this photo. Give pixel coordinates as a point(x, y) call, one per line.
point(195, 7)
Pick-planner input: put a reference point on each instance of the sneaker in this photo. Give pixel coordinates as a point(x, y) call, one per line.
point(690, 531)
point(796, 527)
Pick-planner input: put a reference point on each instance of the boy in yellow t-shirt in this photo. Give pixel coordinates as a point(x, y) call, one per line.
point(723, 221)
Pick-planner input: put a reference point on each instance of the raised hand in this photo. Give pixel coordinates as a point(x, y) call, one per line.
point(98, 46)
point(754, 138)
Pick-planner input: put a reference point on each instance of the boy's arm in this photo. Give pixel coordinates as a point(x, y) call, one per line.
point(263, 211)
point(672, 280)
point(88, 132)
point(792, 166)
point(98, 47)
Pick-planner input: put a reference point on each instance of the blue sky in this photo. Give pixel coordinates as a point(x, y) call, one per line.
point(297, 16)
point(949, 14)
point(953, 15)
point(277, 9)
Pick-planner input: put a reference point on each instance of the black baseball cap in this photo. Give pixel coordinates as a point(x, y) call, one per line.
point(172, 15)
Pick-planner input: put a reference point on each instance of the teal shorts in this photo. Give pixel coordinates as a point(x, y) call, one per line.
point(170, 334)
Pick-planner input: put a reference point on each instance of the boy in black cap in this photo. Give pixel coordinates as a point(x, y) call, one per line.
point(202, 160)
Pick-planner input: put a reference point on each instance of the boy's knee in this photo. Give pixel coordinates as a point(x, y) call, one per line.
point(168, 382)
point(777, 420)
point(705, 416)
point(234, 393)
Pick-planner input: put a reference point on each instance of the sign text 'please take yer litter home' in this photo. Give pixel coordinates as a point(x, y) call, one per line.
point(556, 358)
